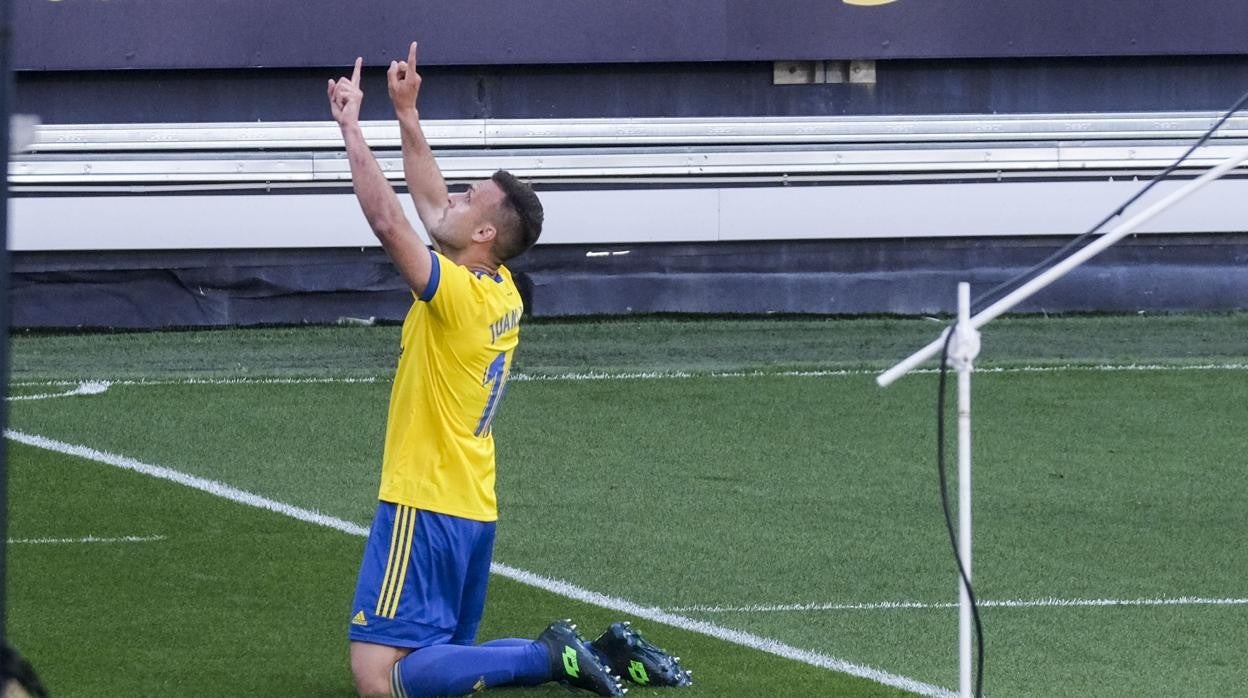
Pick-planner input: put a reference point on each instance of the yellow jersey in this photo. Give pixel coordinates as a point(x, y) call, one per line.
point(454, 359)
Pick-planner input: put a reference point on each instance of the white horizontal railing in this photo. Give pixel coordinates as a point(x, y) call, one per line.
point(233, 155)
point(584, 164)
point(613, 132)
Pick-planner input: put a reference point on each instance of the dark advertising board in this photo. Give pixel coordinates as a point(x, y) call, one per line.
point(156, 34)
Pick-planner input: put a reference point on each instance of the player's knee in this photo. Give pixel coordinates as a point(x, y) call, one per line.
point(371, 666)
point(371, 682)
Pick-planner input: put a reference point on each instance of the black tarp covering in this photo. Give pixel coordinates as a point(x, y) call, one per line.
point(190, 289)
point(219, 288)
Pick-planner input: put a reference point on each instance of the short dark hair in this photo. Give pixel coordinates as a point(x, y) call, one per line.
point(521, 222)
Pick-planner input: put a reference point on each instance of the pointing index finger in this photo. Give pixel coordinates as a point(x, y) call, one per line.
point(411, 56)
point(355, 74)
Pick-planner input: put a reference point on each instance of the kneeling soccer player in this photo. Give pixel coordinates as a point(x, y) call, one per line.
point(422, 582)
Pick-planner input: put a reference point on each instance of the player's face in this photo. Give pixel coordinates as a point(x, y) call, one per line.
point(466, 213)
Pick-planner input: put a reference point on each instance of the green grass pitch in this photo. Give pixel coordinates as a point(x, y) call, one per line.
point(787, 501)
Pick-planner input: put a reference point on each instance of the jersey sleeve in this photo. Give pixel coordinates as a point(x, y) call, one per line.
point(454, 294)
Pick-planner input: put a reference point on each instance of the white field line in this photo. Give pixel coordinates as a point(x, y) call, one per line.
point(210, 486)
point(84, 388)
point(86, 539)
point(738, 637)
point(1013, 603)
point(552, 585)
point(658, 375)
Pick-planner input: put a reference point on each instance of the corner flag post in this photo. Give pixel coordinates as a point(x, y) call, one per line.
point(965, 347)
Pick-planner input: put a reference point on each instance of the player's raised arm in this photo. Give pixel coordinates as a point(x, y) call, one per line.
point(376, 196)
point(420, 169)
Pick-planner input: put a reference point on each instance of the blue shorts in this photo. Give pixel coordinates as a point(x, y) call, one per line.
point(423, 579)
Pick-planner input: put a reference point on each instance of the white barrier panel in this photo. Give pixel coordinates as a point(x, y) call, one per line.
point(258, 220)
point(965, 210)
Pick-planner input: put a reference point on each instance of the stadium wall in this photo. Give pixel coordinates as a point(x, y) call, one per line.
point(866, 211)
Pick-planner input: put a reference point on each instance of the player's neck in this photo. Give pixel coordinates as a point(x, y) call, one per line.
point(476, 259)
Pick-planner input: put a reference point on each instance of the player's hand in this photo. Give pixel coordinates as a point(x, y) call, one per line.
point(403, 81)
point(345, 97)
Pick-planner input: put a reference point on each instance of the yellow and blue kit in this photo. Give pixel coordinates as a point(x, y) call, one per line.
point(454, 359)
point(423, 577)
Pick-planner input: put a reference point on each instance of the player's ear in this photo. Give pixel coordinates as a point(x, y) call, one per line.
point(486, 233)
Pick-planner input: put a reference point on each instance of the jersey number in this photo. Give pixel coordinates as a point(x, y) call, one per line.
point(496, 378)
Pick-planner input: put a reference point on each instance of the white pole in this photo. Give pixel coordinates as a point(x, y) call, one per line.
point(1060, 269)
point(964, 358)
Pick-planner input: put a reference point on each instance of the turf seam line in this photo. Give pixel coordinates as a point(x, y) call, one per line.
point(295, 380)
point(85, 539)
point(555, 586)
point(649, 375)
point(1050, 602)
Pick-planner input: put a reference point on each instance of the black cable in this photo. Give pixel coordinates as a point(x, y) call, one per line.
point(944, 503)
point(999, 291)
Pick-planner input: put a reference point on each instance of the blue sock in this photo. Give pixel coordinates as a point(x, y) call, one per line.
point(458, 670)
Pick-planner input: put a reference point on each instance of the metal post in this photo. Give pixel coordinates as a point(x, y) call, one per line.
point(5, 109)
point(965, 349)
